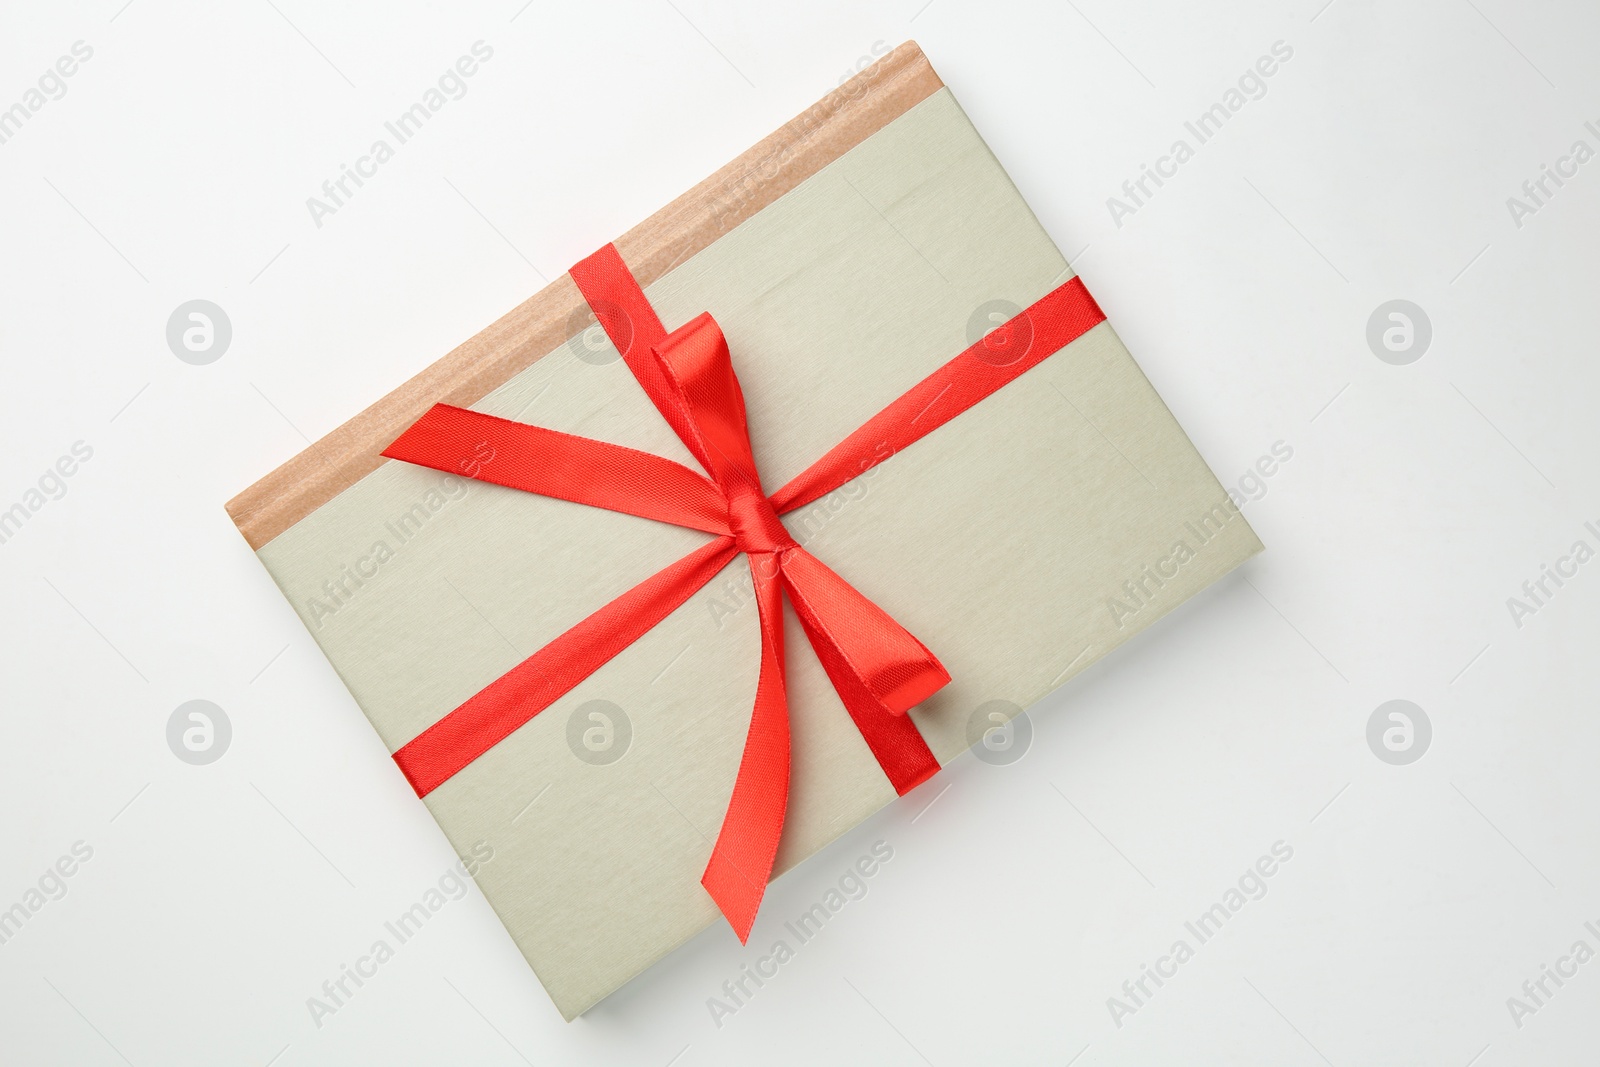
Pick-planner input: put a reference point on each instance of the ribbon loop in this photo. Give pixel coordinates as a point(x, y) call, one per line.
point(698, 368)
point(896, 668)
point(879, 670)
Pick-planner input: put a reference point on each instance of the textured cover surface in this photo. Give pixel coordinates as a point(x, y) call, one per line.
point(1003, 541)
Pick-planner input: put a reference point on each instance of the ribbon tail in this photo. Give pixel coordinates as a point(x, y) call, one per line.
point(741, 861)
point(878, 668)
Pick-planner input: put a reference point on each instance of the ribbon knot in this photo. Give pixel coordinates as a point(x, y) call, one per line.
point(879, 670)
point(754, 522)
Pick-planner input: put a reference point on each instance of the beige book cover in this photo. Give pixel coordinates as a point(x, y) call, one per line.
point(845, 258)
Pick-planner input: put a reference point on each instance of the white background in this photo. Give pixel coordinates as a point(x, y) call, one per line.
point(1418, 499)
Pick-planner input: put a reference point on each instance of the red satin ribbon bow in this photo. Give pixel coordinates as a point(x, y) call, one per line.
point(879, 670)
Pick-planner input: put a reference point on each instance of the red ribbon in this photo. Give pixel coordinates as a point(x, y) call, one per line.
point(879, 670)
